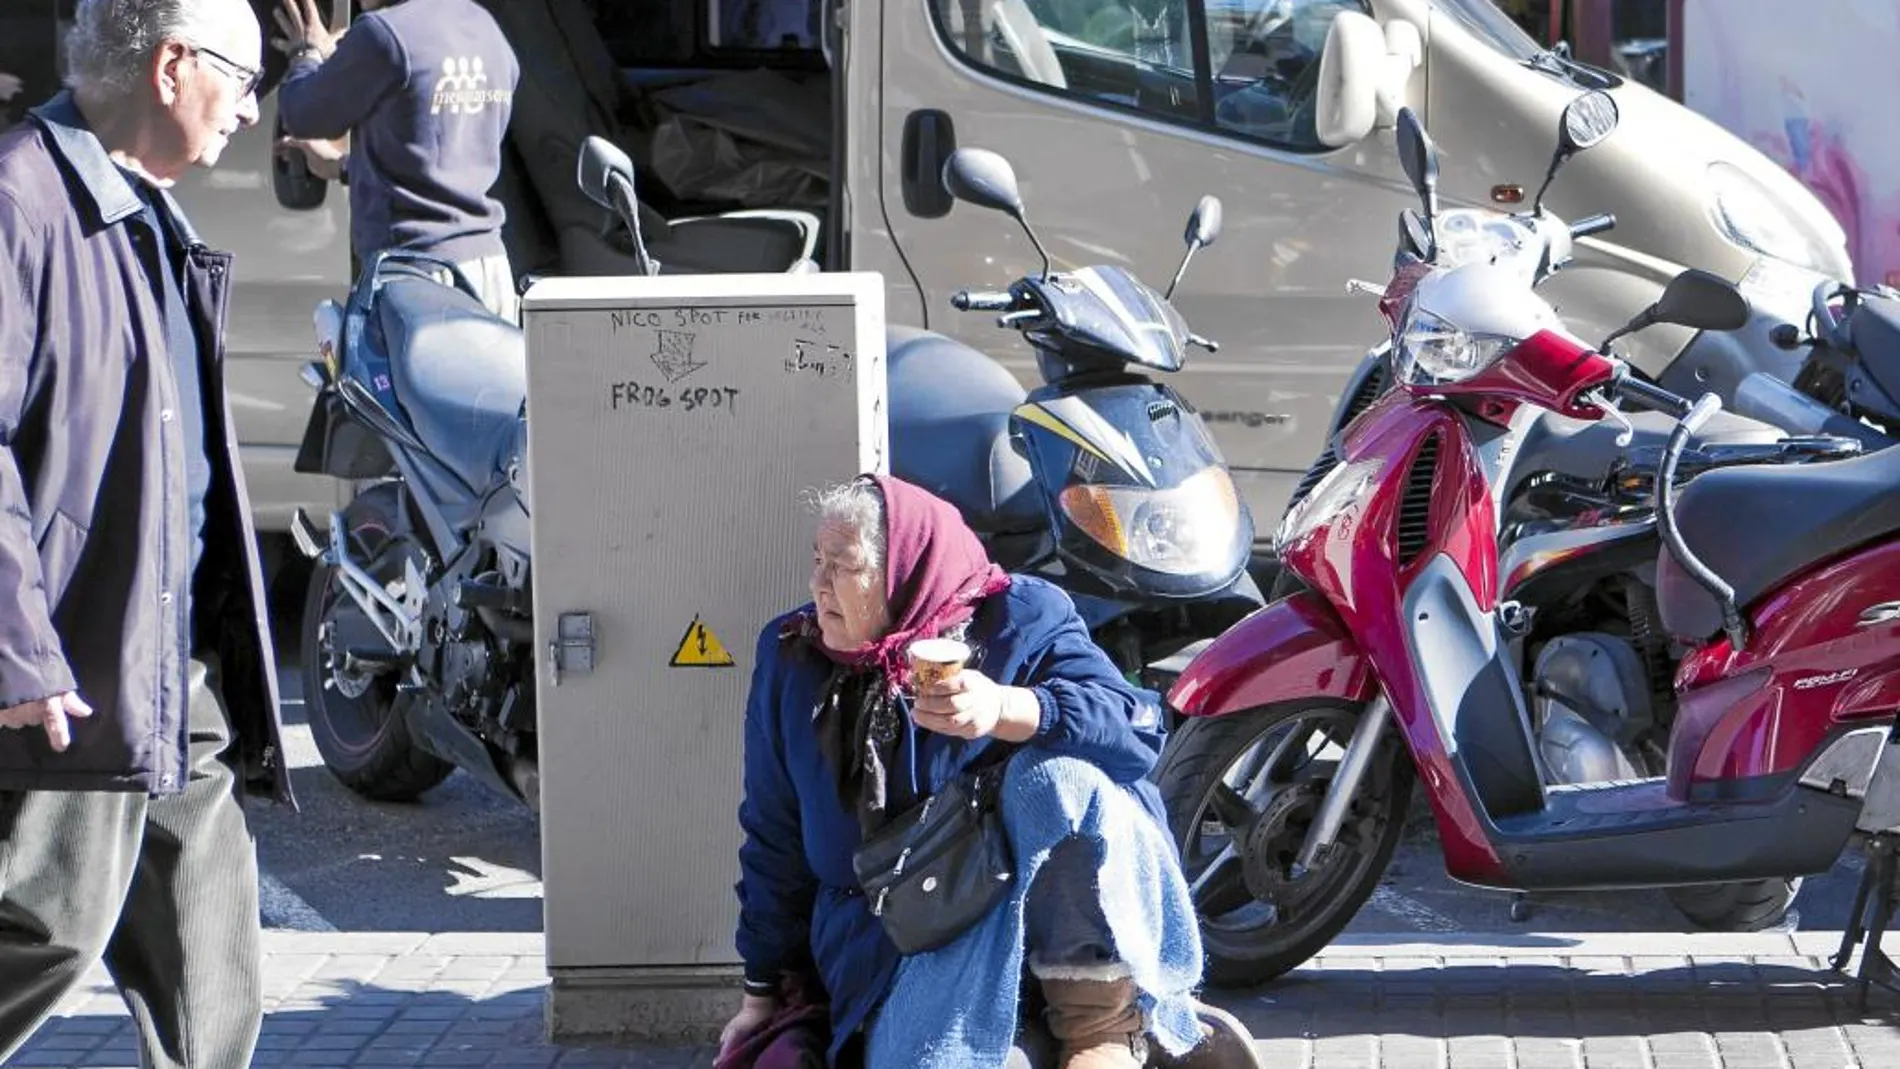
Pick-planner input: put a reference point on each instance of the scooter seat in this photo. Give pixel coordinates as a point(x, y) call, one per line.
point(950, 408)
point(459, 372)
point(1756, 527)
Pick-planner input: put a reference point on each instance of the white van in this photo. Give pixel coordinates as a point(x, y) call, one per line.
point(1117, 115)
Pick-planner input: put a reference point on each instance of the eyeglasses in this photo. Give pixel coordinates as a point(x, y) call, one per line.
point(247, 78)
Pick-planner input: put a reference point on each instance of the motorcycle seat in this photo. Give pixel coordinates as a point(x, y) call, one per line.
point(459, 372)
point(1758, 526)
point(950, 408)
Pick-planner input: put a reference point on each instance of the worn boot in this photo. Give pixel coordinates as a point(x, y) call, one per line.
point(1097, 1023)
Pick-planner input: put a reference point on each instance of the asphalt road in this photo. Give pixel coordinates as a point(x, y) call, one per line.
point(464, 858)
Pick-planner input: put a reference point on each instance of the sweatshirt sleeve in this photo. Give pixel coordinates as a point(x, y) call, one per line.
point(32, 661)
point(777, 889)
point(328, 99)
point(1088, 709)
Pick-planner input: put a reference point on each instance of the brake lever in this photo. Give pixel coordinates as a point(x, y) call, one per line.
point(1602, 400)
point(1370, 289)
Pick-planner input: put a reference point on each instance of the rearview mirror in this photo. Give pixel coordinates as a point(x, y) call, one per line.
point(1695, 299)
point(983, 178)
point(1204, 225)
point(600, 161)
point(1419, 157)
point(1701, 300)
point(1587, 121)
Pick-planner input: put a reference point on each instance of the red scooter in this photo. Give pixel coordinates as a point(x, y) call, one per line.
point(1780, 583)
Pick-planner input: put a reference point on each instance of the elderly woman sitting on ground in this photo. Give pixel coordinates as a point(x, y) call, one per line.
point(843, 739)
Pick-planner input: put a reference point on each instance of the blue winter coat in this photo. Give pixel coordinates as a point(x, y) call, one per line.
point(799, 903)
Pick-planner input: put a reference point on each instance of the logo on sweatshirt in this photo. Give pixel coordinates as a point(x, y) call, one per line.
point(463, 88)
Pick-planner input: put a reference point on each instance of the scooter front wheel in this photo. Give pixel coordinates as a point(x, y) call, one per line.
point(1241, 792)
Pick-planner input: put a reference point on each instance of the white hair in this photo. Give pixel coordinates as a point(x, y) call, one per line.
point(112, 41)
point(859, 505)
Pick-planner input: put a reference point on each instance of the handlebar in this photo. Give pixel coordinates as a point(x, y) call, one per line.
point(1593, 224)
point(982, 301)
point(1654, 397)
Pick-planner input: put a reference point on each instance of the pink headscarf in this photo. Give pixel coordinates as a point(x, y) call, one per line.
point(935, 571)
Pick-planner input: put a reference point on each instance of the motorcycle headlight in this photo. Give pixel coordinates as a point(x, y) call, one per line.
point(1745, 213)
point(1188, 529)
point(1433, 351)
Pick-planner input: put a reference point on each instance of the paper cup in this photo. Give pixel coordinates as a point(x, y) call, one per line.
point(933, 660)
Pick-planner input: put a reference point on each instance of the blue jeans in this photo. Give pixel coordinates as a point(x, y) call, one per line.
point(1066, 935)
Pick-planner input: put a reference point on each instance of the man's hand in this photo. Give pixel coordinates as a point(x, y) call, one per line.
point(10, 86)
point(303, 27)
point(755, 1012)
point(324, 158)
point(970, 705)
point(49, 713)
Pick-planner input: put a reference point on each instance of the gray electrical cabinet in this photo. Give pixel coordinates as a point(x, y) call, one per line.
point(676, 427)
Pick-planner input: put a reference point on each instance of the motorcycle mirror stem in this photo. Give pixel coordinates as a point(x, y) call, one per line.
point(1202, 228)
point(620, 191)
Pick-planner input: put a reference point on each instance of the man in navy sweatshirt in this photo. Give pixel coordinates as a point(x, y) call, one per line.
point(424, 89)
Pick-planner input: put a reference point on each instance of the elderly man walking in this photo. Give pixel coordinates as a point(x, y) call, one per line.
point(135, 665)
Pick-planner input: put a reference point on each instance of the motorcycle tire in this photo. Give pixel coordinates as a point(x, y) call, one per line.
point(364, 738)
point(1198, 756)
point(1739, 906)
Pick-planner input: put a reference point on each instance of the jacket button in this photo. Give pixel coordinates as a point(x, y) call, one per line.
point(165, 416)
point(165, 598)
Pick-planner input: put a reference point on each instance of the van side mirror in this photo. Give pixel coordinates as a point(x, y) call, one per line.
point(1346, 98)
point(1364, 71)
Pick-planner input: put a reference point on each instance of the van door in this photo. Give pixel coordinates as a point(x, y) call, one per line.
point(1118, 115)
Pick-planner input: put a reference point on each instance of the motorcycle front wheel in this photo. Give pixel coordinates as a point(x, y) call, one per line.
point(356, 711)
point(1241, 792)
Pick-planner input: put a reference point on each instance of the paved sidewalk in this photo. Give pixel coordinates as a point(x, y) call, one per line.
point(1639, 1001)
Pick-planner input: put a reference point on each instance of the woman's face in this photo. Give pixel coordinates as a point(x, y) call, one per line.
point(849, 592)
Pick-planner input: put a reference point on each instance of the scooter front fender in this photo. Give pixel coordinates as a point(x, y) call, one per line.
point(1294, 648)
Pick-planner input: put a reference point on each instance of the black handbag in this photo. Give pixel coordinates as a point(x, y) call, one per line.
point(940, 866)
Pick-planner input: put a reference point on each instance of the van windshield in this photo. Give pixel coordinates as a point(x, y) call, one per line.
point(1492, 26)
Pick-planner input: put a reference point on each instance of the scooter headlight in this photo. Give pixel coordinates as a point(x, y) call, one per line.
point(1188, 529)
point(1434, 351)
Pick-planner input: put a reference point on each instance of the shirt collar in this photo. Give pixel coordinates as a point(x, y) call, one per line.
point(104, 182)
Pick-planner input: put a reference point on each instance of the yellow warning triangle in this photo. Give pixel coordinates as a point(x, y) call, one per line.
point(700, 648)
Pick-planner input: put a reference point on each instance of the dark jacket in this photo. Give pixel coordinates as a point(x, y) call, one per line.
point(424, 89)
point(799, 902)
point(93, 509)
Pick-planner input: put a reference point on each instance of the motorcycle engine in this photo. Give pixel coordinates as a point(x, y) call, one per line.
point(1590, 703)
point(459, 654)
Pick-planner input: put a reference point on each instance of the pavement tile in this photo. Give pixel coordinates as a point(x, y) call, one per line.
point(1638, 1001)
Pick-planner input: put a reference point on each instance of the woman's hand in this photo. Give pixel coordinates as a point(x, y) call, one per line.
point(754, 1013)
point(970, 705)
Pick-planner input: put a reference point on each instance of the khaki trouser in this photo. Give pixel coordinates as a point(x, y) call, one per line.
point(493, 278)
